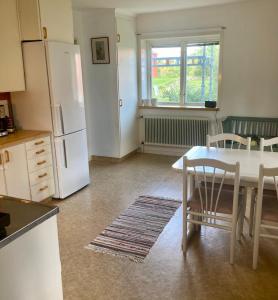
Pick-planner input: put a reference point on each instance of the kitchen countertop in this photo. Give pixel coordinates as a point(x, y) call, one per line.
point(24, 215)
point(21, 136)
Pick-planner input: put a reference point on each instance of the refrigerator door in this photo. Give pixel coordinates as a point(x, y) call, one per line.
point(72, 163)
point(66, 88)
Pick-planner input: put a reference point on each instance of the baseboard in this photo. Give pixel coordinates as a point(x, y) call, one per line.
point(151, 149)
point(96, 158)
point(164, 150)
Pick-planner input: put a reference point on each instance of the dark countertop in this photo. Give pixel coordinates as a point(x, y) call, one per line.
point(22, 215)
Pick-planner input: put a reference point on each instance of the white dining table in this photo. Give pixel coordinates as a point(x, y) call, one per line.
point(250, 161)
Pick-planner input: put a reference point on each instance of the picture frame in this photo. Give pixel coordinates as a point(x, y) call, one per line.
point(100, 50)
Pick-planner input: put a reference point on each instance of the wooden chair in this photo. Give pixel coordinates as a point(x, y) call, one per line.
point(210, 204)
point(221, 139)
point(266, 214)
point(268, 143)
point(263, 144)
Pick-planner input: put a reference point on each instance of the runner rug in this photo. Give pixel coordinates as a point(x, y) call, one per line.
point(135, 231)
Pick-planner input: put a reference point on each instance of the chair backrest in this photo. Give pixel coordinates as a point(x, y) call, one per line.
point(209, 177)
point(221, 139)
point(268, 143)
point(267, 172)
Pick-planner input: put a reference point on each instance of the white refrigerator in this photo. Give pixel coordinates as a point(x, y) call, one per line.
point(54, 101)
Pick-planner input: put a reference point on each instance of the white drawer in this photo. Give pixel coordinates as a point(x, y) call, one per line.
point(42, 190)
point(37, 151)
point(38, 143)
point(41, 175)
point(40, 162)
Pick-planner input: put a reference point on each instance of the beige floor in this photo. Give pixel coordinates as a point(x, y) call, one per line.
point(165, 274)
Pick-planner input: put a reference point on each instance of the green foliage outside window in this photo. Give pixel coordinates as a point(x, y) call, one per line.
point(201, 76)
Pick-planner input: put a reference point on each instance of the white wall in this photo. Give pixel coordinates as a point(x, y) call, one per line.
point(250, 53)
point(100, 81)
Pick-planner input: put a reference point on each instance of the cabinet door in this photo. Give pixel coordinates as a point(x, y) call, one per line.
point(53, 15)
point(16, 172)
point(57, 18)
point(11, 63)
point(2, 177)
point(30, 23)
point(127, 72)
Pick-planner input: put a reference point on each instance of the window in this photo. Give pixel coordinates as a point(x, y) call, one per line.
point(166, 71)
point(182, 71)
point(202, 65)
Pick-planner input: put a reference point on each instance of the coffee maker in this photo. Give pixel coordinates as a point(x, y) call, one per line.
point(3, 121)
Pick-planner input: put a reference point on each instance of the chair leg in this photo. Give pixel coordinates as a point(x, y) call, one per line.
point(257, 229)
point(251, 218)
point(197, 227)
point(232, 246)
point(256, 250)
point(184, 235)
point(241, 220)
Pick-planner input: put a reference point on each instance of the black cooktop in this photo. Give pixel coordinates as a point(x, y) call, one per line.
point(19, 216)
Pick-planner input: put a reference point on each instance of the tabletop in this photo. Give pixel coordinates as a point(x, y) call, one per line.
point(249, 160)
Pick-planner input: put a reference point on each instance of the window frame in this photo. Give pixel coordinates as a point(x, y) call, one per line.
point(182, 42)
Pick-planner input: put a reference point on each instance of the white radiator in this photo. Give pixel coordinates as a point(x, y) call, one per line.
point(174, 131)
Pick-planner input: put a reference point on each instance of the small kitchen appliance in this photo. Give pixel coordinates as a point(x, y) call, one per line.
point(3, 121)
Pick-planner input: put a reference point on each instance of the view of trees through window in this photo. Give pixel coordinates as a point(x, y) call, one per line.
point(201, 76)
point(166, 74)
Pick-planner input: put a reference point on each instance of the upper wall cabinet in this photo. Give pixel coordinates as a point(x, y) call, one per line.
point(46, 20)
point(11, 64)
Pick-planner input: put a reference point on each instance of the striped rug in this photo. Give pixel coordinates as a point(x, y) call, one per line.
point(135, 231)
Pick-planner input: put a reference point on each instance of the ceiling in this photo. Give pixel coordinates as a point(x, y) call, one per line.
point(134, 7)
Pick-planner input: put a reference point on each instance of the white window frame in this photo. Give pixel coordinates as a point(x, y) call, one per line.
point(182, 42)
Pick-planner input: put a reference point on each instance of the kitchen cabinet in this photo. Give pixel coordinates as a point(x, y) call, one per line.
point(46, 20)
point(39, 159)
point(26, 170)
point(30, 262)
point(3, 190)
point(11, 62)
point(16, 172)
point(127, 76)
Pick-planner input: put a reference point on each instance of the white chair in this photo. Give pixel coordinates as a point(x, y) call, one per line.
point(268, 143)
point(221, 139)
point(263, 144)
point(208, 203)
point(266, 216)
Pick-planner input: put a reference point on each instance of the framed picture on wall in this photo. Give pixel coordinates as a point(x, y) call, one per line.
point(100, 50)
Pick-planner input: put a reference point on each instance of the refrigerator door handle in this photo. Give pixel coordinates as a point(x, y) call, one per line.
point(62, 119)
point(65, 154)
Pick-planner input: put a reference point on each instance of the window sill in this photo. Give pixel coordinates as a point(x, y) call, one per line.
point(179, 107)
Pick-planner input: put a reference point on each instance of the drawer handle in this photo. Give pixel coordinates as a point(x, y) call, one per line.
point(40, 152)
point(41, 162)
point(43, 175)
point(43, 188)
point(39, 143)
point(44, 32)
point(7, 154)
